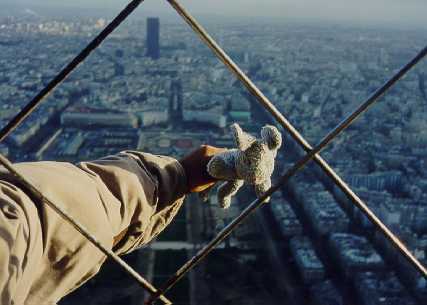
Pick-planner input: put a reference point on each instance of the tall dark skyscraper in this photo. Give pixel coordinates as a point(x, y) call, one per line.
point(153, 33)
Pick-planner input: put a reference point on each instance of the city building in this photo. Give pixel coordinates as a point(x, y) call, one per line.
point(392, 181)
point(374, 289)
point(153, 38)
point(325, 215)
point(354, 254)
point(308, 263)
point(207, 117)
point(152, 118)
point(285, 217)
point(79, 118)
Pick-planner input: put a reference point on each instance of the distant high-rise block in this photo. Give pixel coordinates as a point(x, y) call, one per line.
point(153, 36)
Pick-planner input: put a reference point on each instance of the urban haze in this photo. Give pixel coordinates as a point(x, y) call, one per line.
point(397, 12)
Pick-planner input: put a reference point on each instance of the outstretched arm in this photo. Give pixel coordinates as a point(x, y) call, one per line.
point(124, 200)
point(150, 188)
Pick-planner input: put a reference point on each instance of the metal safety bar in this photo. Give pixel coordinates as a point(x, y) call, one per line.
point(292, 171)
point(65, 72)
point(312, 153)
point(79, 227)
point(35, 102)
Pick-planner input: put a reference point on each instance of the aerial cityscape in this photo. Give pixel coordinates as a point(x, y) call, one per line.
point(154, 86)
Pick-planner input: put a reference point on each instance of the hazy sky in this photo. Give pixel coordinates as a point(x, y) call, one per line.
point(396, 11)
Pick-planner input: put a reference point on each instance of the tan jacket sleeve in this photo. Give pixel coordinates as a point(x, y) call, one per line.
point(134, 192)
point(141, 193)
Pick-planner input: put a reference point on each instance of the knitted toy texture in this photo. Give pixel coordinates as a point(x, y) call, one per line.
point(252, 162)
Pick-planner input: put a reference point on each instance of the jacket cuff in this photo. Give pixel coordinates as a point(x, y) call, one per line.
point(168, 173)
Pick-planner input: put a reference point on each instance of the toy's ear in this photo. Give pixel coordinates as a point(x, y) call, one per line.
point(271, 136)
point(243, 140)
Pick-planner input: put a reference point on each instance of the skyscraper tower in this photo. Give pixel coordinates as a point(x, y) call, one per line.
point(153, 33)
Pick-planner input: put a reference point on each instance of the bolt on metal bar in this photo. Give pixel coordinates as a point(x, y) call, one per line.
point(201, 254)
point(80, 228)
point(62, 75)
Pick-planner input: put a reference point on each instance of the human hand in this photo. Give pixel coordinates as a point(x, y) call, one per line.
point(195, 166)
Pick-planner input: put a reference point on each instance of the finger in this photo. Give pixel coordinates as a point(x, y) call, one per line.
point(201, 188)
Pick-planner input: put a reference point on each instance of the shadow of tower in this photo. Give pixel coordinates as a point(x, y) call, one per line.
point(175, 103)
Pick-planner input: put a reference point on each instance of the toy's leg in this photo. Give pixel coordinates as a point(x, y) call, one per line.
point(226, 190)
point(261, 188)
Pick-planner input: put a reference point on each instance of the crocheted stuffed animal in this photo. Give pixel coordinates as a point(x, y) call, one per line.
point(252, 162)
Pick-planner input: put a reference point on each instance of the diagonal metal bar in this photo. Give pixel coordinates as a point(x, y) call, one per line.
point(312, 153)
point(201, 254)
point(220, 53)
point(79, 227)
point(35, 102)
point(62, 75)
